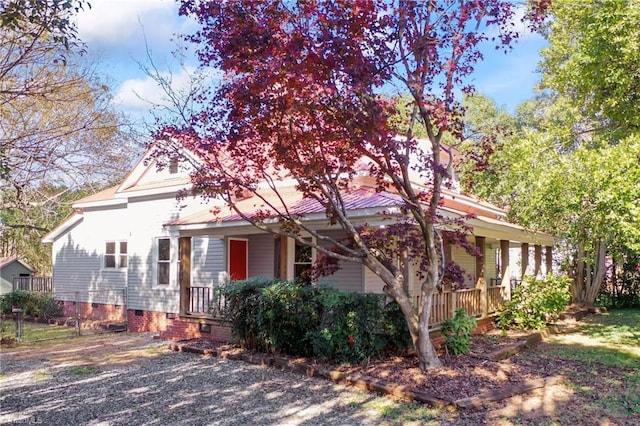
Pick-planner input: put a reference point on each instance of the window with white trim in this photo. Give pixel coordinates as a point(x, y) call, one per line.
point(164, 261)
point(302, 262)
point(115, 254)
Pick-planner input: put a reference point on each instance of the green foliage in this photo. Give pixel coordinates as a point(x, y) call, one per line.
point(32, 304)
point(243, 305)
point(49, 308)
point(622, 289)
point(302, 320)
point(351, 327)
point(593, 56)
point(535, 302)
point(286, 313)
point(456, 332)
point(395, 328)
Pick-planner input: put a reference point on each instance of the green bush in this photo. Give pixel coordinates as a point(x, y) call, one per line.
point(351, 328)
point(243, 306)
point(286, 314)
point(304, 320)
point(20, 299)
point(535, 302)
point(32, 304)
point(49, 308)
point(456, 332)
point(395, 328)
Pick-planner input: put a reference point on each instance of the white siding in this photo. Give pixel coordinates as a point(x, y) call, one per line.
point(372, 282)
point(261, 255)
point(207, 260)
point(78, 254)
point(79, 259)
point(490, 265)
point(466, 262)
point(145, 219)
point(350, 276)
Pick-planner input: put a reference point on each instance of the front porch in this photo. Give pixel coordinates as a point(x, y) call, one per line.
point(489, 279)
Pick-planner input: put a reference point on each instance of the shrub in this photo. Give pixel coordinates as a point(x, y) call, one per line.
point(20, 299)
point(32, 304)
point(243, 305)
point(319, 321)
point(49, 308)
point(286, 314)
point(535, 302)
point(395, 328)
point(351, 328)
point(456, 332)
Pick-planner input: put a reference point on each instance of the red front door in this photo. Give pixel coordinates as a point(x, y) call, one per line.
point(238, 259)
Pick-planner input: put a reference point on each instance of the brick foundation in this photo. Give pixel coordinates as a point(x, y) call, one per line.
point(187, 328)
point(93, 311)
point(140, 321)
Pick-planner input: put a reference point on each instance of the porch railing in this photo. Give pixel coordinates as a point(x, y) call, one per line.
point(33, 284)
point(473, 301)
point(210, 301)
point(207, 301)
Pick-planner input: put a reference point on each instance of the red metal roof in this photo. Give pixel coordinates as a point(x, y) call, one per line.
point(363, 197)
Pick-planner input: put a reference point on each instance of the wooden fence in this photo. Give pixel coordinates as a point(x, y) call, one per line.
point(476, 302)
point(33, 284)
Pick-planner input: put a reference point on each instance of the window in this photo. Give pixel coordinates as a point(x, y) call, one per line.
point(302, 262)
point(164, 260)
point(115, 254)
point(173, 166)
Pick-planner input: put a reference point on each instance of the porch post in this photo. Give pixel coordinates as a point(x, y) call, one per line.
point(480, 261)
point(524, 259)
point(283, 257)
point(548, 257)
point(505, 273)
point(447, 249)
point(184, 250)
point(537, 255)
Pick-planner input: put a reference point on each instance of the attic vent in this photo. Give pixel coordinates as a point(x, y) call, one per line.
point(173, 166)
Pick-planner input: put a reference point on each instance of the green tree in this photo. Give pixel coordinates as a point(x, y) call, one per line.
point(58, 132)
point(552, 175)
point(572, 165)
point(593, 57)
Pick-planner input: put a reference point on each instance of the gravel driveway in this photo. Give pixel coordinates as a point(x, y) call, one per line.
point(129, 379)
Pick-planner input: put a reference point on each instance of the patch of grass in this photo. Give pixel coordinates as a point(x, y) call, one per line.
point(618, 327)
point(41, 374)
point(396, 412)
point(36, 331)
point(611, 339)
point(83, 370)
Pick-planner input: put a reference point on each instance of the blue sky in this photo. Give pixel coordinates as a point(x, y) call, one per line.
point(115, 31)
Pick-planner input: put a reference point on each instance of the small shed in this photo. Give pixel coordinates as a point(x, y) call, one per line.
point(12, 267)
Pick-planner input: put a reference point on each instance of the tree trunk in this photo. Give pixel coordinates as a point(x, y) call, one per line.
point(577, 293)
point(598, 274)
point(424, 346)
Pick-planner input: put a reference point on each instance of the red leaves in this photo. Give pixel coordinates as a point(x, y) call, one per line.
point(302, 99)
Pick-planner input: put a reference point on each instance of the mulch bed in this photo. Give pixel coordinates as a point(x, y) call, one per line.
point(461, 379)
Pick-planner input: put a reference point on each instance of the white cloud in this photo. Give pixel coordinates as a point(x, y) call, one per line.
point(142, 93)
point(521, 27)
point(115, 22)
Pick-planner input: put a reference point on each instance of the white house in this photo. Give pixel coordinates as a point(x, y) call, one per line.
point(164, 256)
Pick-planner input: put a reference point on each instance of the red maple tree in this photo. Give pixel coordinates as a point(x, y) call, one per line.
point(305, 99)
